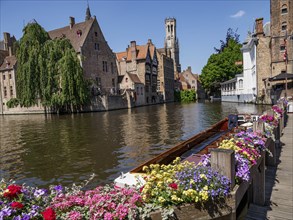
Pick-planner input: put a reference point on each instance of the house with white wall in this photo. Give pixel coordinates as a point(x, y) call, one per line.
point(243, 88)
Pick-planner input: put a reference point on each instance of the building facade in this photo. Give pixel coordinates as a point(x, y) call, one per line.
point(165, 83)
point(189, 80)
point(96, 57)
point(141, 60)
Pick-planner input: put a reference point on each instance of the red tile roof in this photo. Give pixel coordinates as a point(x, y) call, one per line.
point(141, 52)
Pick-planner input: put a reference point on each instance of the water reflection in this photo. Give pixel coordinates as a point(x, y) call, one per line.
point(42, 150)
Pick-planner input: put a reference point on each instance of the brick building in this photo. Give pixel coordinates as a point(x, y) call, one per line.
point(141, 60)
point(96, 57)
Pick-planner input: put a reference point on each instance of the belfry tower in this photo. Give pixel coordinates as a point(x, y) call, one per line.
point(172, 43)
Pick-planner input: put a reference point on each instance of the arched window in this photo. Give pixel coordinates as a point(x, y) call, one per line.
point(168, 28)
point(240, 83)
point(284, 26)
point(284, 9)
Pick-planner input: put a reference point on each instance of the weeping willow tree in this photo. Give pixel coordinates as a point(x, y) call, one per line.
point(28, 70)
point(49, 71)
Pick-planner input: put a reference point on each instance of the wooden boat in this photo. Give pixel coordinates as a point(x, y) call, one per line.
point(189, 147)
point(186, 150)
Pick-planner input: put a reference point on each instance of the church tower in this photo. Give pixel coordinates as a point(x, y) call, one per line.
point(172, 43)
point(88, 13)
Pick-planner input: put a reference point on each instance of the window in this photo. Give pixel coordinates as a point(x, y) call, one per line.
point(193, 81)
point(105, 66)
point(11, 91)
point(96, 34)
point(240, 84)
point(113, 82)
point(284, 9)
point(3, 77)
point(112, 68)
point(10, 76)
point(158, 85)
point(126, 79)
point(168, 28)
point(137, 90)
point(282, 47)
point(5, 91)
point(284, 26)
point(141, 91)
point(98, 80)
point(97, 46)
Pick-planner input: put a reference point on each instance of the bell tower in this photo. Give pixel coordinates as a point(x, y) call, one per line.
point(172, 43)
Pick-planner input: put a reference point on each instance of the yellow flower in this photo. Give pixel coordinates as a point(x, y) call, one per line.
point(205, 188)
point(174, 197)
point(203, 176)
point(161, 199)
point(191, 181)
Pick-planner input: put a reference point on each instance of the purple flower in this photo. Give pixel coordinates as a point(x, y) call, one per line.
point(58, 188)
point(40, 192)
point(17, 217)
point(25, 217)
point(5, 212)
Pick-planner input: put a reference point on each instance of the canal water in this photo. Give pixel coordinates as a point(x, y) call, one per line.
point(64, 149)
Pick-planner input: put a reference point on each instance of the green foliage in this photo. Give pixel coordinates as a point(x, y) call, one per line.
point(188, 95)
point(49, 70)
point(221, 66)
point(185, 96)
point(14, 102)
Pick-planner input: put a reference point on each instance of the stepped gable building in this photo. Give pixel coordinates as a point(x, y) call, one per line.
point(96, 57)
point(141, 60)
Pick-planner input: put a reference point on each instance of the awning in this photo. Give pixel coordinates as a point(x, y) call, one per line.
point(281, 76)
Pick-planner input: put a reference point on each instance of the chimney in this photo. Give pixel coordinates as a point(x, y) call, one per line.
point(259, 26)
point(6, 36)
point(10, 51)
point(133, 49)
point(72, 21)
point(150, 41)
point(189, 68)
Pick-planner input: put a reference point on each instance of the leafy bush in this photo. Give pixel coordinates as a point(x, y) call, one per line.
point(12, 103)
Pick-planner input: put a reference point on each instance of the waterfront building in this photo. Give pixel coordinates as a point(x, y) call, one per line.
point(189, 80)
point(165, 83)
point(96, 57)
point(131, 83)
point(141, 60)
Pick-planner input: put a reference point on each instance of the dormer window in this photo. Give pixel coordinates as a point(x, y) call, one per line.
point(79, 33)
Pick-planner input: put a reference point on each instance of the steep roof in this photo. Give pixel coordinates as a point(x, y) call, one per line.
point(77, 34)
point(134, 78)
point(141, 52)
point(8, 63)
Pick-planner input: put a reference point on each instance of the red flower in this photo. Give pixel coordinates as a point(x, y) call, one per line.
point(49, 214)
point(12, 191)
point(17, 205)
point(173, 185)
point(141, 188)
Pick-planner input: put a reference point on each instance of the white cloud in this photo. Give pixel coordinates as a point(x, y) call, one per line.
point(239, 14)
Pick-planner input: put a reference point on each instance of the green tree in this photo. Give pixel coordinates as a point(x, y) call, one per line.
point(49, 71)
point(28, 72)
point(221, 65)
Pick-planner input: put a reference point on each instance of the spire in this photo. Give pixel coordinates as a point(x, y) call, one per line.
point(88, 12)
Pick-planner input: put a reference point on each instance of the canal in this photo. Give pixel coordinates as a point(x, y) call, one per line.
point(61, 149)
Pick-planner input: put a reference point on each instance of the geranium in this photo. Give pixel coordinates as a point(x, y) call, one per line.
point(17, 205)
point(49, 214)
point(12, 191)
point(269, 119)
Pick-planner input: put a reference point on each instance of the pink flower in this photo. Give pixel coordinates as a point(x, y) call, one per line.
point(108, 216)
point(74, 215)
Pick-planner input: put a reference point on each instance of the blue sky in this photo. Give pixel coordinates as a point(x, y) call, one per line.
point(200, 24)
